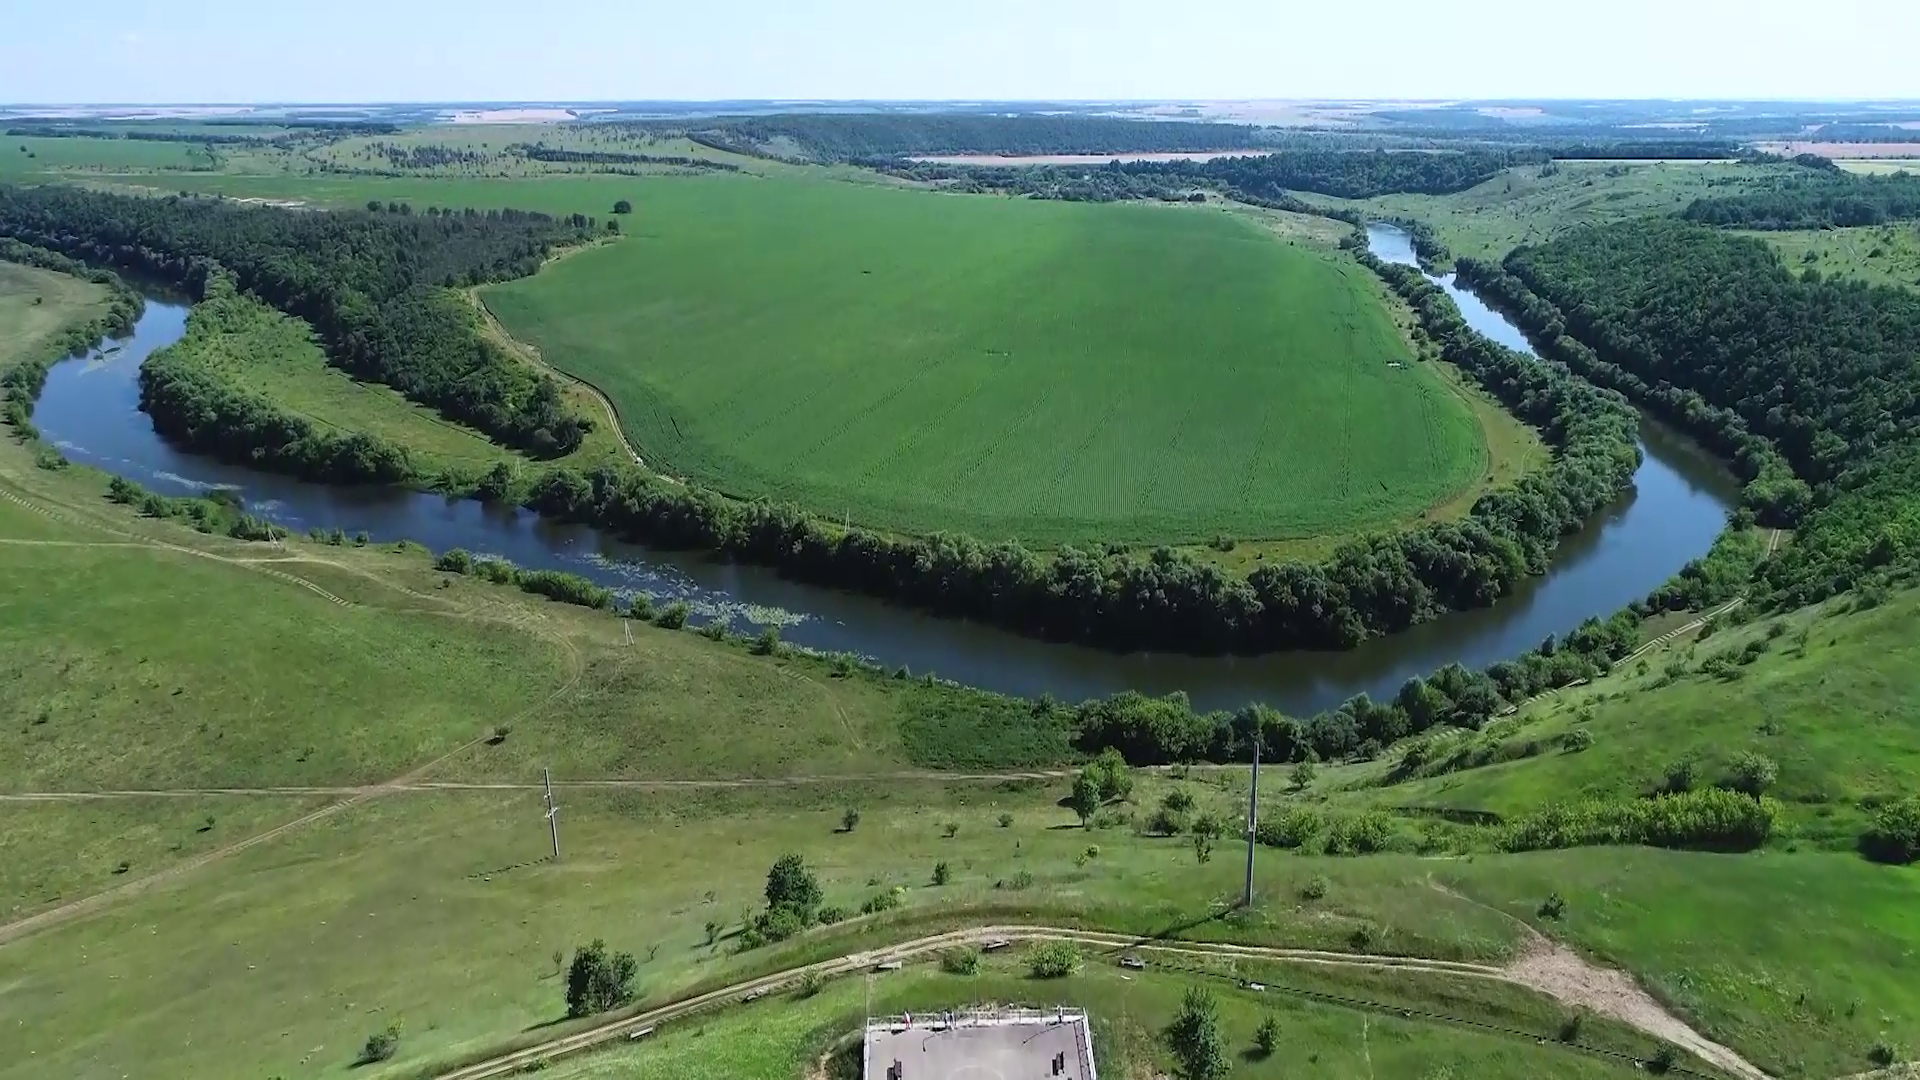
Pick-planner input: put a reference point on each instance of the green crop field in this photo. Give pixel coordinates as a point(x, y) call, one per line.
point(1008, 368)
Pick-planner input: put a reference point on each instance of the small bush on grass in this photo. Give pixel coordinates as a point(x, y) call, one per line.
point(672, 617)
point(1006, 821)
point(1266, 1038)
point(380, 1046)
point(1553, 906)
point(1314, 889)
point(1751, 774)
point(1291, 827)
point(1894, 836)
point(960, 961)
point(941, 873)
point(599, 980)
point(1053, 960)
point(884, 900)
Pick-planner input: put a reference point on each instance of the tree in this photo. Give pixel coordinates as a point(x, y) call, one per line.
point(1302, 775)
point(1194, 1037)
point(1202, 847)
point(791, 885)
point(1085, 798)
point(381, 1045)
point(623, 206)
point(942, 873)
point(1116, 782)
point(1751, 773)
point(849, 819)
point(598, 980)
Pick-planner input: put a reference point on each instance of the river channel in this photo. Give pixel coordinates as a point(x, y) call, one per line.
point(1678, 504)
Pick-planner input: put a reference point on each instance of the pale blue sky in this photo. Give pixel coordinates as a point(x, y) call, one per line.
point(413, 50)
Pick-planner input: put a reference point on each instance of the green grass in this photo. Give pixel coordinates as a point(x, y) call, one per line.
point(784, 1037)
point(22, 156)
point(1052, 372)
point(1883, 254)
point(1834, 711)
point(1520, 206)
point(37, 304)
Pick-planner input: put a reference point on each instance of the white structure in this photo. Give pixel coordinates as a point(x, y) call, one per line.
point(1001, 1044)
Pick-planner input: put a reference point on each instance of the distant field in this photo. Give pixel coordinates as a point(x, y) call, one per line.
point(1532, 204)
point(1882, 166)
point(1078, 159)
point(36, 304)
point(1053, 372)
point(23, 154)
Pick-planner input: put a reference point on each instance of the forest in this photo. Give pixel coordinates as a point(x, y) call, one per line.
point(543, 152)
point(1816, 199)
point(376, 286)
point(1347, 174)
point(1826, 371)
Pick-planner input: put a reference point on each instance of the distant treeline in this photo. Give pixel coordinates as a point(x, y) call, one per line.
point(851, 136)
point(195, 137)
point(1349, 174)
point(543, 152)
point(374, 286)
point(1643, 149)
point(1816, 199)
point(21, 383)
point(1823, 370)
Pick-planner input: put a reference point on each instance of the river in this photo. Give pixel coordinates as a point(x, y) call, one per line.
point(1677, 506)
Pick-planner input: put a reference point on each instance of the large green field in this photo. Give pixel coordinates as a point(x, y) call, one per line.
point(37, 304)
point(1051, 372)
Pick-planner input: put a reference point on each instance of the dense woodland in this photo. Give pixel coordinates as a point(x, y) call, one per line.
point(1826, 371)
point(1819, 198)
point(1349, 174)
point(543, 152)
point(376, 286)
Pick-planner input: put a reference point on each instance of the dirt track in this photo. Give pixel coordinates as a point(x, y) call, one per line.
point(1560, 974)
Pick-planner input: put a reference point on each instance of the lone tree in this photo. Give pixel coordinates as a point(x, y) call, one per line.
point(1302, 775)
point(791, 885)
point(623, 207)
point(1194, 1037)
point(599, 980)
point(1085, 799)
point(849, 819)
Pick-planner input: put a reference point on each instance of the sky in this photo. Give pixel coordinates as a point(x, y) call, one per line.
point(144, 51)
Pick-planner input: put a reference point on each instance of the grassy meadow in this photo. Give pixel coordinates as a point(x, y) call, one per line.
point(1008, 368)
point(36, 305)
point(1881, 254)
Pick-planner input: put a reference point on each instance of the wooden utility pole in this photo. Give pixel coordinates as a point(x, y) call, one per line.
point(1253, 818)
point(553, 819)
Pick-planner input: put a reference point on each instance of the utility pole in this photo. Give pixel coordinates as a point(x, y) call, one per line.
point(553, 824)
point(1253, 817)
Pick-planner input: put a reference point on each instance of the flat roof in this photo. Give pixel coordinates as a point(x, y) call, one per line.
point(981, 1046)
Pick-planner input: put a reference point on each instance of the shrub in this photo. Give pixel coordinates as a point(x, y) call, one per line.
point(1292, 827)
point(599, 980)
point(767, 642)
point(1302, 775)
point(1110, 770)
point(1006, 821)
point(1178, 801)
point(1751, 774)
point(380, 1046)
point(1711, 819)
point(566, 588)
point(1570, 1027)
point(1663, 1061)
point(1883, 1054)
point(1266, 1038)
point(1680, 777)
point(849, 818)
point(1314, 889)
point(1577, 740)
point(884, 900)
point(941, 873)
point(456, 561)
point(1359, 834)
point(1202, 847)
point(1553, 906)
point(1053, 960)
point(1894, 836)
point(672, 617)
point(791, 885)
point(830, 915)
point(950, 830)
point(1021, 880)
point(960, 961)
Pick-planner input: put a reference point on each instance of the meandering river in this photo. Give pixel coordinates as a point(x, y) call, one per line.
point(1678, 505)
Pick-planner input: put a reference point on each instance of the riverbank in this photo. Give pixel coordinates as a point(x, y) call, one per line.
point(1679, 504)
